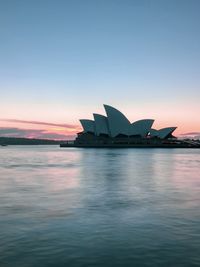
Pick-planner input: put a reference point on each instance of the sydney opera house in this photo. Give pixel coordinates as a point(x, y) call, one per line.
point(115, 130)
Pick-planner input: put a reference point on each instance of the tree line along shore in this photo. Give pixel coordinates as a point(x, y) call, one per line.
point(28, 141)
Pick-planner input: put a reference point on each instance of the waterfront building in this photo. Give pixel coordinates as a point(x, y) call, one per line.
point(115, 124)
point(115, 130)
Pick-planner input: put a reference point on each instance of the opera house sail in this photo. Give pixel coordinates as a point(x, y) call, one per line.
point(115, 130)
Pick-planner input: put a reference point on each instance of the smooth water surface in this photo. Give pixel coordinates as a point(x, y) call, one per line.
point(99, 207)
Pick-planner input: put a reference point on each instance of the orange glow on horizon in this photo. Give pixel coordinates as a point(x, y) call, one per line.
point(51, 130)
point(18, 129)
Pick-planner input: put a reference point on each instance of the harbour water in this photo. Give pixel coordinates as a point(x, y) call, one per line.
point(99, 207)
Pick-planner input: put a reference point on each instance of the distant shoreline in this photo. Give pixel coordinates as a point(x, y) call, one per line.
point(4, 141)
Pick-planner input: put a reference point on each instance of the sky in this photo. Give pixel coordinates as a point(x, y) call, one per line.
point(61, 60)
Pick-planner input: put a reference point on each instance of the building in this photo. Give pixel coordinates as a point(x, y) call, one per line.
point(116, 124)
point(115, 130)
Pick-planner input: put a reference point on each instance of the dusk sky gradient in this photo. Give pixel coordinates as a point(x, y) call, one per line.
point(61, 60)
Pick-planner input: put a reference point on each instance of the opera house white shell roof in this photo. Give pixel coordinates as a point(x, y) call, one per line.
point(88, 125)
point(116, 124)
point(162, 133)
point(141, 127)
point(101, 124)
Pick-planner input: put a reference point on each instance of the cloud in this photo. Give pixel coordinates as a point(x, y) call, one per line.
point(31, 133)
point(54, 131)
point(8, 130)
point(69, 126)
point(191, 133)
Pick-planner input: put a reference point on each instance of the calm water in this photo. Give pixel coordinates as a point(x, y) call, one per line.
point(99, 207)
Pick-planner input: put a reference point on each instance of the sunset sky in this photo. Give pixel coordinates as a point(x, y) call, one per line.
point(61, 60)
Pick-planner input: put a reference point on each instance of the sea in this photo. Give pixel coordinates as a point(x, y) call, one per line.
point(71, 207)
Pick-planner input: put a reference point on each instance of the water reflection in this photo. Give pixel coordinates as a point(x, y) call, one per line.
point(99, 207)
